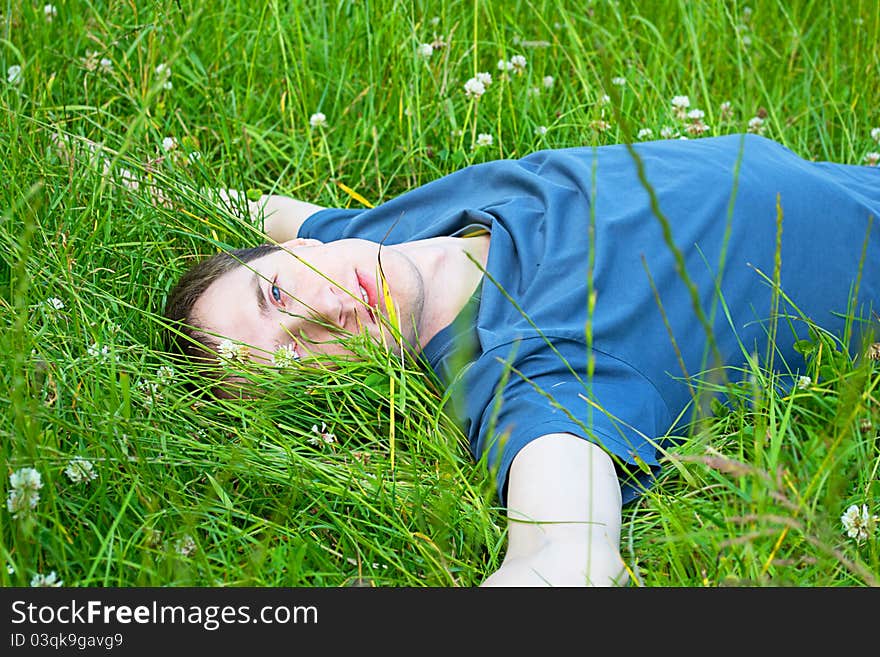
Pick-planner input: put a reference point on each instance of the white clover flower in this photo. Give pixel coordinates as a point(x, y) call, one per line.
point(285, 356)
point(24, 486)
point(425, 50)
point(229, 351)
point(541, 130)
point(858, 523)
point(746, 40)
point(485, 78)
point(26, 478)
point(150, 391)
point(46, 581)
point(102, 353)
point(318, 120)
point(875, 134)
point(79, 469)
point(697, 128)
point(667, 133)
point(165, 374)
point(548, 81)
point(185, 545)
point(604, 99)
point(618, 81)
point(680, 105)
point(163, 73)
point(804, 382)
point(50, 12)
point(226, 349)
point(645, 133)
point(55, 303)
point(533, 91)
point(484, 139)
point(322, 436)
point(756, 125)
point(504, 65)
point(105, 64)
point(473, 88)
point(435, 21)
point(90, 61)
point(518, 64)
point(13, 74)
point(169, 144)
point(871, 159)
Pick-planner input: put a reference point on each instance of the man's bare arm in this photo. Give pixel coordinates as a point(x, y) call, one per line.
point(564, 516)
point(283, 215)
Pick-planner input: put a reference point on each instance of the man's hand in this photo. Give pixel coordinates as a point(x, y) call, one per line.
point(281, 216)
point(96, 155)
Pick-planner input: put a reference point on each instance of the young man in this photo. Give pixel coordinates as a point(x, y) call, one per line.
point(571, 299)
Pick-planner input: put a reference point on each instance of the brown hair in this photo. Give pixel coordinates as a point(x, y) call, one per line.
point(183, 337)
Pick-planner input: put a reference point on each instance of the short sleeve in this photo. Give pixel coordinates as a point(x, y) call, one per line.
point(328, 224)
point(541, 395)
point(440, 207)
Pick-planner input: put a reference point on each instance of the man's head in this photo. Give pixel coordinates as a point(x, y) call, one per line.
point(303, 295)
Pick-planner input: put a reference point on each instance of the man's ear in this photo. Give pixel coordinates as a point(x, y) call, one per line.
point(298, 242)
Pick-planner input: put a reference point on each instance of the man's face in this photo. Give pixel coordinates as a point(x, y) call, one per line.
point(310, 296)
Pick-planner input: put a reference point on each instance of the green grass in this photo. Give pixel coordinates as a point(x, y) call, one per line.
point(753, 497)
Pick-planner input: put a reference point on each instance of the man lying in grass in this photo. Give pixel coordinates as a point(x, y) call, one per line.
point(570, 299)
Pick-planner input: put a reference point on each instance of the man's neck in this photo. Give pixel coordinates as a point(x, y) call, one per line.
point(451, 268)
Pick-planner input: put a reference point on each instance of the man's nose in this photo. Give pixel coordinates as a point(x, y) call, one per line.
point(333, 305)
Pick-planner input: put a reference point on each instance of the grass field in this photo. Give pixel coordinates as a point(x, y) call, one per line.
point(144, 485)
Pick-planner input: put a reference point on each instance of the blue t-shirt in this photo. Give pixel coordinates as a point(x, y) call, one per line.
point(530, 358)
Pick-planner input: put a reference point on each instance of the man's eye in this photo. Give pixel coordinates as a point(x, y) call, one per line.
point(276, 293)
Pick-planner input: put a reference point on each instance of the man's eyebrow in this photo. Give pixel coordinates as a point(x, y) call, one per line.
point(261, 298)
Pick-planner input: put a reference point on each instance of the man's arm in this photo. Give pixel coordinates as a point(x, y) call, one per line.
point(283, 215)
point(564, 516)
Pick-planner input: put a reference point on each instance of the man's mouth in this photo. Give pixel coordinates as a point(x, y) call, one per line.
point(365, 296)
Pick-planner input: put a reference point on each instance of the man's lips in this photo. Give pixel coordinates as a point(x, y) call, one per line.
point(368, 294)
